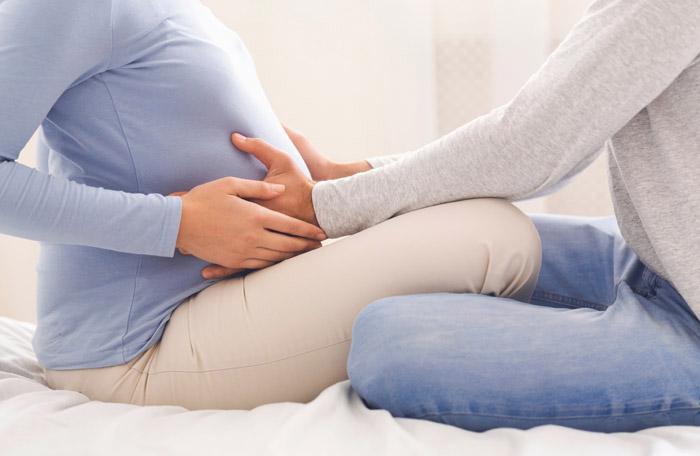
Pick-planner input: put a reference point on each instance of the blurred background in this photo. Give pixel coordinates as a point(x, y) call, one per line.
point(373, 77)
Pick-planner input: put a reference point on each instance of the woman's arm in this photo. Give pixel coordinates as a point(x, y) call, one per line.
point(45, 48)
point(37, 206)
point(322, 168)
point(618, 59)
point(383, 160)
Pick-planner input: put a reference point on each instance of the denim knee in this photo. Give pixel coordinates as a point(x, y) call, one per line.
point(378, 364)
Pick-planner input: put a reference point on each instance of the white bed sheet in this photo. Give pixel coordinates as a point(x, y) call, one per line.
point(35, 420)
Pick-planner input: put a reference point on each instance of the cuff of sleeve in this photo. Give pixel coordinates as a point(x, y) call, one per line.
point(384, 160)
point(170, 228)
point(327, 213)
point(375, 162)
point(378, 162)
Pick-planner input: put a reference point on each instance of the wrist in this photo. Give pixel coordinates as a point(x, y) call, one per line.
point(310, 215)
point(332, 170)
point(340, 170)
point(182, 234)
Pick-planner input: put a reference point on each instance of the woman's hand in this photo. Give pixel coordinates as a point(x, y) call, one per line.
point(296, 200)
point(220, 226)
point(320, 166)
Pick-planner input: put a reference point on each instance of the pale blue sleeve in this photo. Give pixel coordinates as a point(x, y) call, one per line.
point(46, 47)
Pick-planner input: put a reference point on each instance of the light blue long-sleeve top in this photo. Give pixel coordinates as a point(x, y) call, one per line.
point(136, 100)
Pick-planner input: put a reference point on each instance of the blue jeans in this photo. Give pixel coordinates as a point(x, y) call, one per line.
point(604, 345)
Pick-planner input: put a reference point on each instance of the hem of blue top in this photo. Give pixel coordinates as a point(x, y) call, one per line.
point(100, 359)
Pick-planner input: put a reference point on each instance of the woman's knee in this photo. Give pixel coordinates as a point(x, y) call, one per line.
point(494, 247)
point(499, 222)
point(515, 250)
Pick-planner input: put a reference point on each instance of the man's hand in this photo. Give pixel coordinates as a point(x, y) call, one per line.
point(221, 226)
point(321, 167)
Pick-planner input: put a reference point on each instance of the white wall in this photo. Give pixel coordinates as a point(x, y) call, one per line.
point(356, 76)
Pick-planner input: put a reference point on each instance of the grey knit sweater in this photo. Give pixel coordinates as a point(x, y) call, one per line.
point(628, 78)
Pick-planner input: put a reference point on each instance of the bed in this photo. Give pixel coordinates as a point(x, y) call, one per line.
point(34, 420)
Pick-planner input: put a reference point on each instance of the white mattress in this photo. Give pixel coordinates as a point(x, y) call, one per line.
point(37, 420)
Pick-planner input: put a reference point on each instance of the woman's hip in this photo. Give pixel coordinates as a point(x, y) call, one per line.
point(283, 333)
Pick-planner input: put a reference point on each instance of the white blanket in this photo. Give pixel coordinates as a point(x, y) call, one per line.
point(35, 420)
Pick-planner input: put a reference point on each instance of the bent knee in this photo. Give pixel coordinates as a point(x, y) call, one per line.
point(493, 247)
point(514, 249)
point(376, 359)
point(498, 222)
point(396, 349)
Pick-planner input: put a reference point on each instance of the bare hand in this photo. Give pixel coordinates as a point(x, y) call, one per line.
point(296, 199)
point(321, 167)
point(220, 226)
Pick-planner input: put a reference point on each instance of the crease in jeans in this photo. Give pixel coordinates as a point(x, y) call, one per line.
point(547, 297)
point(568, 417)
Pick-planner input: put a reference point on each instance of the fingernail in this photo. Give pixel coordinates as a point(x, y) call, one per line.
point(279, 188)
point(239, 137)
point(321, 236)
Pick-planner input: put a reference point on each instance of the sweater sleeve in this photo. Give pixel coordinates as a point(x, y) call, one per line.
point(383, 160)
point(618, 59)
point(46, 47)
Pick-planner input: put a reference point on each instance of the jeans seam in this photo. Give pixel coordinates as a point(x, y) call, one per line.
point(657, 282)
point(567, 300)
point(573, 408)
point(571, 417)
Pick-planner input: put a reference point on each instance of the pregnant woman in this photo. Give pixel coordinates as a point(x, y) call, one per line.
point(611, 338)
point(136, 100)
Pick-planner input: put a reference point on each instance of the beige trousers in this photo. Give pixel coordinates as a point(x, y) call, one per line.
point(283, 333)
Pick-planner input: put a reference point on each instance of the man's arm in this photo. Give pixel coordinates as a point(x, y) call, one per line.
point(619, 58)
point(383, 160)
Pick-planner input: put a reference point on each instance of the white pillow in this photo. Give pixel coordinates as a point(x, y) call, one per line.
point(17, 357)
